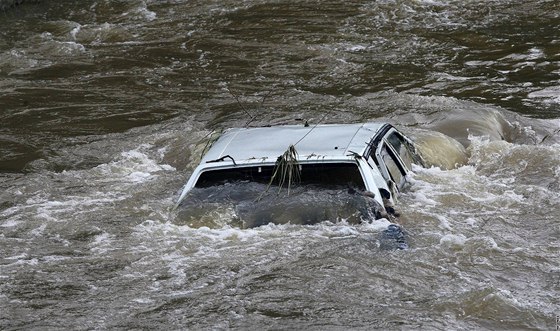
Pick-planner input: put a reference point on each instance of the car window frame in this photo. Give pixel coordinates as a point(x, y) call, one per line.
point(382, 166)
point(403, 144)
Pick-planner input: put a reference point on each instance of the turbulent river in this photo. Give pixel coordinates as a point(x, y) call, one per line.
point(106, 106)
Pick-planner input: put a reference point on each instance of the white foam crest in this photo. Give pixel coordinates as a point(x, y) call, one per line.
point(511, 298)
point(550, 94)
point(73, 204)
point(47, 50)
point(176, 262)
point(421, 190)
point(24, 261)
point(53, 47)
point(144, 301)
point(356, 48)
point(459, 241)
point(141, 12)
point(442, 76)
point(10, 223)
point(178, 248)
point(417, 14)
point(37, 232)
point(103, 243)
point(429, 184)
point(102, 33)
point(75, 30)
point(329, 230)
point(483, 150)
point(103, 186)
point(17, 257)
point(134, 166)
point(508, 164)
point(453, 240)
point(226, 233)
point(18, 60)
point(55, 258)
point(487, 242)
point(534, 53)
point(56, 210)
point(462, 198)
point(443, 222)
point(325, 230)
point(375, 226)
point(69, 48)
point(480, 63)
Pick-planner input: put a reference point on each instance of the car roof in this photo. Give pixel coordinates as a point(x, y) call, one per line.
point(335, 141)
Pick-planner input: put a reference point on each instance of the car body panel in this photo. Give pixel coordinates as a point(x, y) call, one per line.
point(329, 140)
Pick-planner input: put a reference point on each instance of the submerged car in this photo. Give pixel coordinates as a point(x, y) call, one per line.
point(298, 174)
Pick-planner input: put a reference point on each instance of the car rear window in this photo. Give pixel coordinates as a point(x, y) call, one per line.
point(323, 175)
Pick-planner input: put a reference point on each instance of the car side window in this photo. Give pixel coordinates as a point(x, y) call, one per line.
point(400, 146)
point(397, 175)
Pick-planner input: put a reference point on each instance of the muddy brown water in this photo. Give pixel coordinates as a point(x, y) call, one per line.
point(105, 106)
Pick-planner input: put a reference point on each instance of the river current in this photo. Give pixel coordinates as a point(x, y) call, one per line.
point(106, 107)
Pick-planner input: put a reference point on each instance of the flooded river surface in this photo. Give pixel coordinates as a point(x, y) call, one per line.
point(106, 107)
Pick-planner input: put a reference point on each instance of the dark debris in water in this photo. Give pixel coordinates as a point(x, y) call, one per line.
point(393, 238)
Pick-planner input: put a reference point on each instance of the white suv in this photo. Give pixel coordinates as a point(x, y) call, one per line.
point(314, 171)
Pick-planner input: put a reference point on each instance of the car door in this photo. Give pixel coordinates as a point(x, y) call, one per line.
point(394, 169)
point(394, 159)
